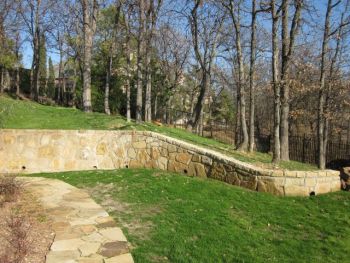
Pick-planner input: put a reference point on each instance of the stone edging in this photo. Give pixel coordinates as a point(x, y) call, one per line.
point(84, 232)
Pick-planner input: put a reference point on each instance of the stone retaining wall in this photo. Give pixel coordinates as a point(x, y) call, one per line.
point(31, 151)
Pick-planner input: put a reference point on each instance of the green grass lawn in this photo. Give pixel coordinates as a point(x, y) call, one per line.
point(20, 114)
point(172, 218)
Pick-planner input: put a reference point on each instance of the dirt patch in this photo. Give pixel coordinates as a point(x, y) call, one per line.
point(25, 230)
point(130, 216)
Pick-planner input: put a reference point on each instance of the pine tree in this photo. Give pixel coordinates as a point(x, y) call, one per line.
point(43, 66)
point(51, 81)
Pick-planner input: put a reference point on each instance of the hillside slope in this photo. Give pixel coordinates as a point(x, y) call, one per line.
point(25, 114)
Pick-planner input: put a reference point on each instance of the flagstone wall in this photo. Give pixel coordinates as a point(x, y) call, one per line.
point(33, 151)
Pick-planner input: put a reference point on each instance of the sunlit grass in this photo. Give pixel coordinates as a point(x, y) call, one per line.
point(172, 218)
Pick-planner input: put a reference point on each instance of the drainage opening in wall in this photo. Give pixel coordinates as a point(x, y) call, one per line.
point(126, 166)
point(312, 193)
point(23, 167)
point(95, 166)
point(185, 171)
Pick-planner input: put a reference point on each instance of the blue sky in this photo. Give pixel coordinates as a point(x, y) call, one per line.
point(27, 48)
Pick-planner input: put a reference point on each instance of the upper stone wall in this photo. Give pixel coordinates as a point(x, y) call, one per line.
point(31, 151)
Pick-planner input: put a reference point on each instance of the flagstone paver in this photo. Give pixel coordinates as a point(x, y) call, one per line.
point(84, 232)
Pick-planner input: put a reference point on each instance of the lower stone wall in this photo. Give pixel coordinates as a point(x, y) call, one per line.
point(31, 151)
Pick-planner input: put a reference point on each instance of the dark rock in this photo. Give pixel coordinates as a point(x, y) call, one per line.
point(112, 249)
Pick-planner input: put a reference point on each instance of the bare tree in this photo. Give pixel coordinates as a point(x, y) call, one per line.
point(275, 82)
point(206, 24)
point(140, 58)
point(8, 54)
point(128, 56)
point(90, 11)
point(151, 19)
point(323, 101)
point(234, 11)
point(288, 42)
point(252, 77)
point(32, 15)
point(173, 50)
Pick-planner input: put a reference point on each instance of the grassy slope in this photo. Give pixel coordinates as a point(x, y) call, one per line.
point(26, 114)
point(171, 218)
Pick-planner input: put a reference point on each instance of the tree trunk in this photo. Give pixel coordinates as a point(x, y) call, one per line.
point(74, 87)
point(241, 83)
point(17, 81)
point(87, 105)
point(252, 78)
point(152, 14)
point(128, 111)
point(36, 65)
point(284, 136)
point(238, 134)
point(36, 84)
point(322, 95)
point(64, 91)
point(276, 87)
point(140, 54)
point(89, 27)
point(128, 68)
point(34, 80)
point(155, 109)
point(60, 80)
point(107, 85)
point(288, 40)
point(148, 95)
point(194, 120)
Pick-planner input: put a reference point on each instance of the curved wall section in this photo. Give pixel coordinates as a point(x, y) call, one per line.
point(33, 151)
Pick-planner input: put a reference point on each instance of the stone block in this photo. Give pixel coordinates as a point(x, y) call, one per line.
point(322, 188)
point(113, 233)
point(207, 160)
point(132, 153)
point(155, 153)
point(196, 158)
point(9, 139)
point(295, 190)
point(335, 186)
point(135, 164)
point(69, 165)
point(250, 183)
point(142, 156)
point(46, 151)
point(295, 181)
point(163, 163)
point(139, 145)
point(218, 171)
point(171, 148)
point(174, 166)
point(199, 170)
point(164, 152)
point(310, 182)
point(270, 187)
point(184, 158)
point(101, 148)
point(232, 178)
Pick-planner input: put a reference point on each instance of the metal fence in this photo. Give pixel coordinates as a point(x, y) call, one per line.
point(301, 148)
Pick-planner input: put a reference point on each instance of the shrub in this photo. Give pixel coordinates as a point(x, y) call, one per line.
point(9, 189)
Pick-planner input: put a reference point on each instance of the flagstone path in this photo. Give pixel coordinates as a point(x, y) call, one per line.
point(84, 232)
